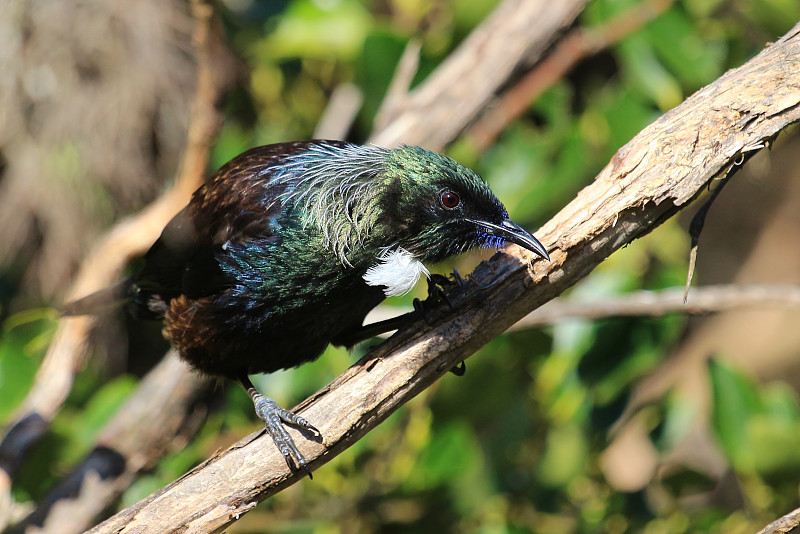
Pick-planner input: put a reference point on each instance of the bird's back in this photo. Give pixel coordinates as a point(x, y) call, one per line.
point(241, 283)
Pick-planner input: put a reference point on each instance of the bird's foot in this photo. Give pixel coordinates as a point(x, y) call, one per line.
point(460, 369)
point(275, 418)
point(438, 284)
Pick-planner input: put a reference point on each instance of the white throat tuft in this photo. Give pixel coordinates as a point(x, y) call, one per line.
point(398, 270)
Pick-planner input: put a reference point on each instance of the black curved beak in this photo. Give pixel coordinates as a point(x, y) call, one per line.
point(511, 231)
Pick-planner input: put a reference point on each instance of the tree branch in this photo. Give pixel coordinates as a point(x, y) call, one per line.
point(438, 110)
point(702, 300)
point(533, 26)
point(576, 46)
point(783, 524)
point(657, 173)
point(647, 303)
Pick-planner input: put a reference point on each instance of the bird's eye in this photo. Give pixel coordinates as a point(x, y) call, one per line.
point(450, 200)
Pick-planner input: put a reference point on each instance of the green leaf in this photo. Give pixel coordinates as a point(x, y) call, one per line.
point(25, 337)
point(694, 58)
point(452, 451)
point(647, 74)
point(773, 446)
point(736, 403)
point(564, 457)
point(320, 29)
point(775, 16)
point(81, 427)
point(375, 69)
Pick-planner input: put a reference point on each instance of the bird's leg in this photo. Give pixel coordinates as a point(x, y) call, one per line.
point(387, 325)
point(274, 418)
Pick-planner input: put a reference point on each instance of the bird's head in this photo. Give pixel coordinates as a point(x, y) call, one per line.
point(439, 208)
point(389, 210)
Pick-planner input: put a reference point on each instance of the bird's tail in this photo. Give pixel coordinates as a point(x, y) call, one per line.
point(99, 301)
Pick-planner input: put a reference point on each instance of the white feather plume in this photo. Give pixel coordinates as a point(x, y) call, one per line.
point(397, 269)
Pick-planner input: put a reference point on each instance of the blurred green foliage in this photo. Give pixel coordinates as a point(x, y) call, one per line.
point(517, 444)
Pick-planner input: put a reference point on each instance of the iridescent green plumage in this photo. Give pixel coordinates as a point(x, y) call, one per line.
point(289, 246)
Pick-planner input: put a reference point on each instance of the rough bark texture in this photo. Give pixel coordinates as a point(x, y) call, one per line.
point(649, 179)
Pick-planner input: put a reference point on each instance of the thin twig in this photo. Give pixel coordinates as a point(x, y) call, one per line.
point(699, 219)
point(709, 299)
point(704, 300)
point(697, 225)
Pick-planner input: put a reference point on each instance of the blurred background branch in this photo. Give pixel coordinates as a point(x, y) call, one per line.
point(433, 114)
point(703, 300)
point(574, 47)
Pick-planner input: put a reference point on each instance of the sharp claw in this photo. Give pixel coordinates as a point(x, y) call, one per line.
point(446, 300)
point(458, 279)
point(295, 420)
point(487, 286)
point(459, 369)
point(308, 472)
point(436, 283)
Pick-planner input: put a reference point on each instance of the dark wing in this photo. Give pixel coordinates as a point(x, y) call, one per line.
point(235, 205)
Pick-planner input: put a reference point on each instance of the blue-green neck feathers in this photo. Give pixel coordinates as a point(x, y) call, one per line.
point(356, 194)
point(378, 211)
point(336, 191)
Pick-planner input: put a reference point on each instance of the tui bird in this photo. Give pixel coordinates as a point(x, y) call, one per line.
point(289, 246)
